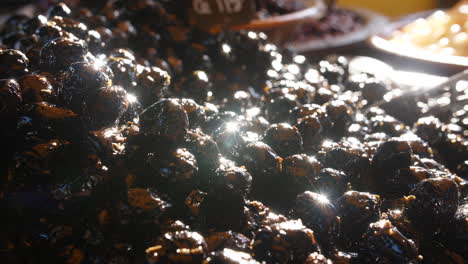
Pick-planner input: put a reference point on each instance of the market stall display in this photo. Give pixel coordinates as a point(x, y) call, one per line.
point(129, 136)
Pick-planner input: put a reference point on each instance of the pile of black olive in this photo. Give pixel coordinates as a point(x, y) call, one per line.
point(127, 136)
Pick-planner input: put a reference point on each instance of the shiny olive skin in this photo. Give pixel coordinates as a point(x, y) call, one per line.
point(13, 63)
point(169, 248)
point(127, 133)
point(151, 85)
point(284, 139)
point(435, 204)
point(60, 53)
point(165, 119)
point(284, 242)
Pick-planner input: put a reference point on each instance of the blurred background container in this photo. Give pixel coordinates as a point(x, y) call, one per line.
point(395, 8)
point(392, 8)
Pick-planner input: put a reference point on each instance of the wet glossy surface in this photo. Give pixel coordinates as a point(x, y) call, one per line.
point(127, 136)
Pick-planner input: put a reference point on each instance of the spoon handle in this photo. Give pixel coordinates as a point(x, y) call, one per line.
point(414, 92)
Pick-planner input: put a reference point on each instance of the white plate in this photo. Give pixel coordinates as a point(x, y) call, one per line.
point(381, 42)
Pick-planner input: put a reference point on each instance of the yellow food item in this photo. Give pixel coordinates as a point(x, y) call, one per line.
point(391, 8)
point(444, 32)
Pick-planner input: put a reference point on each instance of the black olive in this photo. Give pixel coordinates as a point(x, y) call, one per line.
point(339, 60)
point(340, 114)
point(24, 44)
point(387, 124)
point(284, 242)
point(34, 23)
point(398, 183)
point(229, 176)
point(95, 41)
point(419, 146)
point(436, 201)
point(165, 119)
point(41, 163)
point(299, 171)
point(35, 88)
point(324, 95)
point(13, 63)
point(278, 109)
point(204, 148)
point(180, 167)
point(13, 24)
point(49, 32)
point(454, 149)
point(303, 92)
point(311, 132)
point(83, 80)
point(145, 200)
point(10, 94)
point(317, 258)
point(78, 29)
point(48, 121)
point(33, 55)
point(148, 40)
point(107, 36)
point(393, 154)
point(87, 76)
point(429, 129)
point(261, 160)
point(461, 222)
point(330, 182)
point(194, 202)
point(303, 111)
point(332, 72)
point(405, 108)
point(462, 169)
point(60, 53)
point(430, 164)
point(124, 71)
point(284, 139)
point(196, 113)
point(178, 247)
point(223, 206)
point(196, 86)
point(355, 82)
point(230, 256)
point(106, 106)
point(95, 20)
point(373, 90)
point(239, 102)
point(151, 85)
point(386, 244)
point(232, 240)
point(60, 9)
point(11, 39)
point(230, 140)
point(461, 183)
point(254, 123)
point(357, 210)
point(256, 215)
point(122, 53)
point(123, 33)
point(320, 215)
point(218, 119)
point(348, 156)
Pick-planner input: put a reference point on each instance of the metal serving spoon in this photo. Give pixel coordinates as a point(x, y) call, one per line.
point(416, 91)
